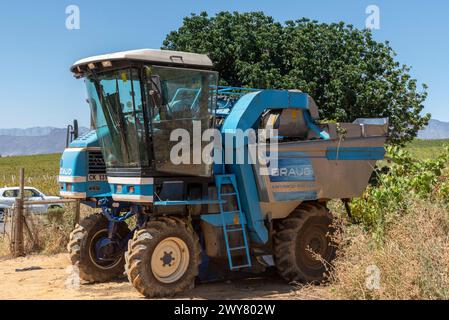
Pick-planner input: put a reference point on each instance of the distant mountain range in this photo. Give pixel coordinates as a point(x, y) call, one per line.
point(42, 140)
point(435, 130)
point(30, 132)
point(37, 140)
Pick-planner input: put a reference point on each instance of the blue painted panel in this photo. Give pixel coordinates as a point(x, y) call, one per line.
point(75, 186)
point(92, 189)
point(217, 168)
point(142, 190)
point(250, 201)
point(311, 124)
point(244, 115)
point(296, 195)
point(73, 164)
point(216, 220)
point(98, 189)
point(355, 153)
point(248, 108)
point(89, 139)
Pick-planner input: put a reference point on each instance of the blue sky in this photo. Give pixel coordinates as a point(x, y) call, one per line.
point(36, 49)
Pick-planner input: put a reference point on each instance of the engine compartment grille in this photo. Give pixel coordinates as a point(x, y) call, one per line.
point(96, 163)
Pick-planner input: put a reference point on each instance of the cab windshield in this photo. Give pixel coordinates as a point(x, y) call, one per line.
point(116, 102)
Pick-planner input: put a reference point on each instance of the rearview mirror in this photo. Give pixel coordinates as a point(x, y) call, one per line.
point(154, 86)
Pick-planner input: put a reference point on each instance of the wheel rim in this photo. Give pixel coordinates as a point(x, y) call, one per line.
point(315, 242)
point(102, 264)
point(170, 260)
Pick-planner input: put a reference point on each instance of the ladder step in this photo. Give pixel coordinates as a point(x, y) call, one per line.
point(241, 266)
point(231, 212)
point(226, 181)
point(230, 179)
point(229, 194)
point(237, 248)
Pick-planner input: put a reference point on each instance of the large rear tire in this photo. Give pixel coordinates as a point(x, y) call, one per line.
point(163, 258)
point(82, 244)
point(300, 238)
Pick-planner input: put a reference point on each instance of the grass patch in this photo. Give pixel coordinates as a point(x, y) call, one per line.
point(412, 262)
point(41, 171)
point(426, 149)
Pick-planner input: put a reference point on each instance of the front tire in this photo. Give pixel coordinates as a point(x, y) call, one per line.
point(304, 234)
point(163, 258)
point(82, 252)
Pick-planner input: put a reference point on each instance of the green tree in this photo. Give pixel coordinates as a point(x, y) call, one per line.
point(349, 74)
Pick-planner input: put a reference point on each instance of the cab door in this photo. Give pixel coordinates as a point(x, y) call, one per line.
point(180, 117)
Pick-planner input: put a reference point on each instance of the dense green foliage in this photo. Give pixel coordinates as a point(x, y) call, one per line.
point(349, 74)
point(407, 179)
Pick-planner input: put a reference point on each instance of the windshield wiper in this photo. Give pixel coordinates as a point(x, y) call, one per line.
point(122, 127)
point(107, 107)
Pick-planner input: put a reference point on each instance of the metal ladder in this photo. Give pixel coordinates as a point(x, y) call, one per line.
point(229, 179)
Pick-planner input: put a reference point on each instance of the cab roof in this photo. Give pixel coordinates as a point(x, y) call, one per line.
point(165, 57)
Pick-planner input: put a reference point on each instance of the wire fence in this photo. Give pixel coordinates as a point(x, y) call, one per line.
point(30, 225)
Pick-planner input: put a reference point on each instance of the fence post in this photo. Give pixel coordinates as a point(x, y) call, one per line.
point(18, 218)
point(77, 212)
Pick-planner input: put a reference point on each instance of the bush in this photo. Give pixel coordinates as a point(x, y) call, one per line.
point(51, 232)
point(396, 190)
point(401, 230)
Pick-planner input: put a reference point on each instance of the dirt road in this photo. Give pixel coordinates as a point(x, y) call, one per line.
point(50, 277)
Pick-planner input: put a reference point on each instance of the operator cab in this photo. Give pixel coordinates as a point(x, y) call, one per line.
point(138, 98)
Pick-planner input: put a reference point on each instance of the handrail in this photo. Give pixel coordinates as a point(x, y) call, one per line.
point(234, 91)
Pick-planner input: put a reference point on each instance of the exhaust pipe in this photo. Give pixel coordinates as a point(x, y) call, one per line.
point(72, 133)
